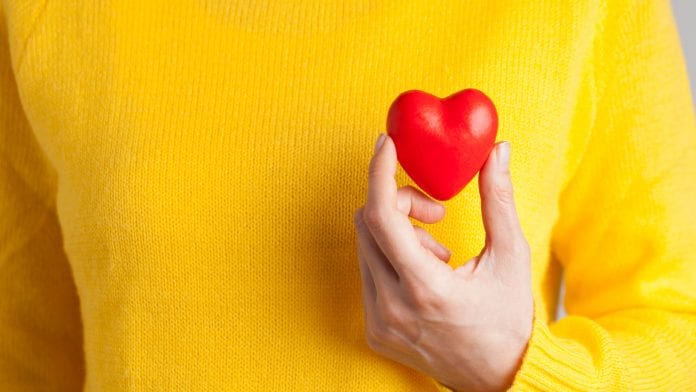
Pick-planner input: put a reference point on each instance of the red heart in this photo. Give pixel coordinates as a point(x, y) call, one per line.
point(442, 143)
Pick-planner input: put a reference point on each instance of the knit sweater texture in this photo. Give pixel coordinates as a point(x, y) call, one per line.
point(177, 182)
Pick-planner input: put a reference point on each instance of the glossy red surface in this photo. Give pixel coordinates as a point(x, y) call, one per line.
point(442, 143)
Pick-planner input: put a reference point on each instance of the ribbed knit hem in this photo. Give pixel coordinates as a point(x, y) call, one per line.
point(552, 363)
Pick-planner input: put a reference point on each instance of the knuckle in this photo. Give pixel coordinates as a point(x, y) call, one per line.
point(433, 209)
point(373, 217)
point(374, 170)
point(392, 317)
point(424, 297)
point(503, 192)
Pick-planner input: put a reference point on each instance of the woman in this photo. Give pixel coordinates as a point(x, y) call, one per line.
point(178, 180)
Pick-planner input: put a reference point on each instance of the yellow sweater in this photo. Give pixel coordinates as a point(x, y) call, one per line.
point(177, 180)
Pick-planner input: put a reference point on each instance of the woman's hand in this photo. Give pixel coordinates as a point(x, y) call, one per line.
point(467, 327)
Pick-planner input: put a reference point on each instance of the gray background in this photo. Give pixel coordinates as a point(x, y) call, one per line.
point(685, 15)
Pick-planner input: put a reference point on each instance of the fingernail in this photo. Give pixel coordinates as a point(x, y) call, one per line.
point(380, 141)
point(504, 154)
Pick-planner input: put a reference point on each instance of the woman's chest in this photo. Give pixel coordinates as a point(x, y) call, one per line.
point(187, 120)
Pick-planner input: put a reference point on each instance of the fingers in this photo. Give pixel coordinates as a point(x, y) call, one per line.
point(381, 271)
point(432, 244)
point(414, 203)
point(381, 183)
point(369, 291)
point(503, 231)
point(417, 205)
point(391, 229)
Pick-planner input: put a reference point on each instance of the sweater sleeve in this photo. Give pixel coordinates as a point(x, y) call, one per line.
point(627, 226)
point(40, 327)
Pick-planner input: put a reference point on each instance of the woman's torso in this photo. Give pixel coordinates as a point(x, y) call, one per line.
point(209, 158)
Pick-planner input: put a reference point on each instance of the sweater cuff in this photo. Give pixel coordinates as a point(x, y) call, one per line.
point(552, 363)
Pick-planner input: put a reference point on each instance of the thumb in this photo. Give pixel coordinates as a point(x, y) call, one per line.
point(503, 231)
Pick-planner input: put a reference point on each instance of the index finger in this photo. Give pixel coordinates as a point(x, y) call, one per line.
point(391, 228)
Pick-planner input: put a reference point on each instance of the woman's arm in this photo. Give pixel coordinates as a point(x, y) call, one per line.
point(627, 231)
point(40, 328)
